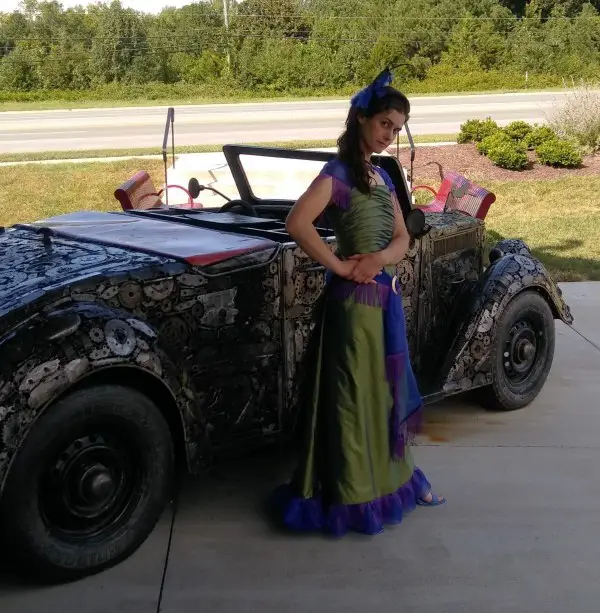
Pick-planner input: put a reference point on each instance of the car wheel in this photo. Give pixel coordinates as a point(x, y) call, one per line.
point(89, 483)
point(522, 353)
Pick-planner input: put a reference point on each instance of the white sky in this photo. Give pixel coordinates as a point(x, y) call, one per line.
point(148, 6)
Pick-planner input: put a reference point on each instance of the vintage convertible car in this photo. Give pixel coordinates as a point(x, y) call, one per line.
point(137, 341)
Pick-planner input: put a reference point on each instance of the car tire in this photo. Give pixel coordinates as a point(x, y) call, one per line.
point(89, 483)
point(522, 353)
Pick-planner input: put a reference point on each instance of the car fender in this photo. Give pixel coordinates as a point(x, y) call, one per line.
point(50, 353)
point(468, 364)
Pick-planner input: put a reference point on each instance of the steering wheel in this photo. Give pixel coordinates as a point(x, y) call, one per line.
point(195, 188)
point(239, 203)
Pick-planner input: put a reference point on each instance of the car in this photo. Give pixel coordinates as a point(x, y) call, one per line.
point(142, 342)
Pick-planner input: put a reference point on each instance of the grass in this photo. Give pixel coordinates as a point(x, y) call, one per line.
point(244, 97)
point(559, 219)
point(143, 151)
point(62, 104)
point(33, 192)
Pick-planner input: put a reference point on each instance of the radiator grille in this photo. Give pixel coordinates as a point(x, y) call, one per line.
point(456, 242)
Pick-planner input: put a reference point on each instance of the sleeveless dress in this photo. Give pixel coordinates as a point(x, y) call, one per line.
point(359, 401)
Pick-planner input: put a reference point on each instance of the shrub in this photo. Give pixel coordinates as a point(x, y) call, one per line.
point(518, 130)
point(492, 141)
point(509, 155)
point(578, 118)
point(475, 130)
point(538, 136)
point(559, 153)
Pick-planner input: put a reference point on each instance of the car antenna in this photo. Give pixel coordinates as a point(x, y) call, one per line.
point(410, 139)
point(169, 126)
point(412, 149)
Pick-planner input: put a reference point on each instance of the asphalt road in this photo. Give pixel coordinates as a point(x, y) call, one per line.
point(80, 129)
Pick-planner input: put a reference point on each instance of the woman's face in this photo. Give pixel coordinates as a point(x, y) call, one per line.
point(379, 131)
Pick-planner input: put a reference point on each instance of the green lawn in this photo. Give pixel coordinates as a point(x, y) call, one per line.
point(37, 191)
point(559, 219)
point(182, 100)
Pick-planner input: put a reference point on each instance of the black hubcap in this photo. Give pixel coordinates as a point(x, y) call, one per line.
point(521, 350)
point(92, 485)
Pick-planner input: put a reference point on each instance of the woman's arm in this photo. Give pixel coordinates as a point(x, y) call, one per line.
point(299, 224)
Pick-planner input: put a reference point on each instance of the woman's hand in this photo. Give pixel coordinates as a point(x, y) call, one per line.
point(344, 269)
point(367, 266)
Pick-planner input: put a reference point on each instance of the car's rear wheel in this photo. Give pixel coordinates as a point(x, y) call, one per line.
point(89, 484)
point(522, 353)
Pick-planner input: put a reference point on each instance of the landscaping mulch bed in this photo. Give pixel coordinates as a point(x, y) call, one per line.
point(466, 160)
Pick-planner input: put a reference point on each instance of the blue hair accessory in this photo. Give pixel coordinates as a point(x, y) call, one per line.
point(363, 98)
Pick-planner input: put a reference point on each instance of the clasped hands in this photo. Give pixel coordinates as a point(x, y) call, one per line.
point(362, 267)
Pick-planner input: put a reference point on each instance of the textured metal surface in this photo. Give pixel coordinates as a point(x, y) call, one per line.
point(225, 342)
point(195, 245)
point(516, 272)
point(30, 268)
point(215, 343)
point(450, 255)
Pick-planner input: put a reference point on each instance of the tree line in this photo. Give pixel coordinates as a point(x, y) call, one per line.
point(289, 45)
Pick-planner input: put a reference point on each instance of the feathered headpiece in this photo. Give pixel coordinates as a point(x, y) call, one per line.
point(376, 88)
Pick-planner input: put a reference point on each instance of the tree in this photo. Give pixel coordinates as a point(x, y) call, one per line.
point(120, 51)
point(187, 43)
point(13, 27)
point(517, 7)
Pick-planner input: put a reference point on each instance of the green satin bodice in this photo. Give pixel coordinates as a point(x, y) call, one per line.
point(367, 225)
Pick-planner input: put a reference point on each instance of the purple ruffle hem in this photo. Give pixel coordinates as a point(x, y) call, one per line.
point(309, 514)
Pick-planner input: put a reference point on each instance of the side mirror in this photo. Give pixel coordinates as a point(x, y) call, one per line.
point(194, 187)
point(415, 223)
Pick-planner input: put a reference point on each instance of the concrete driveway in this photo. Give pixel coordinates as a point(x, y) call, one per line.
point(520, 532)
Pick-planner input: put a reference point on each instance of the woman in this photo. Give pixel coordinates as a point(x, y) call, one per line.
point(360, 400)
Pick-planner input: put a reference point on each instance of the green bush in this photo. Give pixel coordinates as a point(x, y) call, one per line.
point(518, 130)
point(475, 130)
point(538, 136)
point(509, 155)
point(444, 77)
point(559, 153)
point(492, 141)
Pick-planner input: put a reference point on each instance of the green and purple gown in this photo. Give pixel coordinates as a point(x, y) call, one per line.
point(360, 403)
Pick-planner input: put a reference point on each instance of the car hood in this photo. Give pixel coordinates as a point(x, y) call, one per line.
point(31, 267)
point(192, 244)
point(58, 252)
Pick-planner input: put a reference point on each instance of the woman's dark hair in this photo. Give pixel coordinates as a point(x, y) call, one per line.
point(349, 149)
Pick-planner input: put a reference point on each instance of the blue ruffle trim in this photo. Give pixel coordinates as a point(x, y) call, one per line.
point(309, 514)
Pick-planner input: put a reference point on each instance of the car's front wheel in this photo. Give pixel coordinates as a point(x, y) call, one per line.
point(89, 484)
point(522, 353)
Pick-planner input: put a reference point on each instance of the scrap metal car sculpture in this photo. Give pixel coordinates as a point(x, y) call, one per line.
point(136, 340)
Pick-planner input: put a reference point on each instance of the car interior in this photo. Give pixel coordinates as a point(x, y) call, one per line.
point(249, 214)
